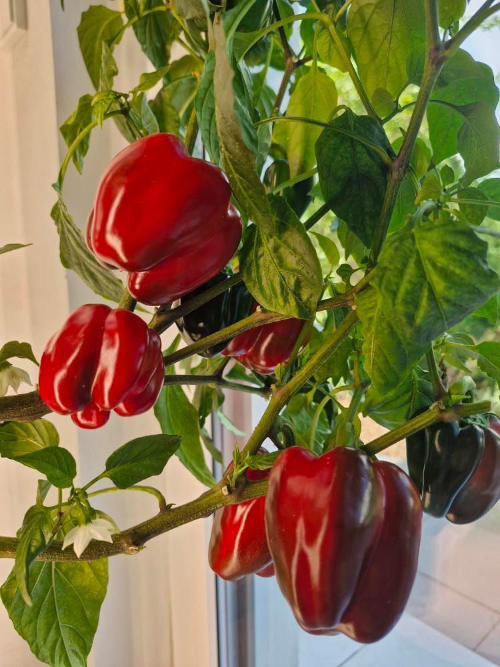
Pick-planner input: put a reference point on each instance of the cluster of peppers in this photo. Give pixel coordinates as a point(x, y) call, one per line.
point(456, 469)
point(166, 218)
point(342, 534)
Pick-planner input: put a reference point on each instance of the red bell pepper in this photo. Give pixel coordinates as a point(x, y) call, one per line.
point(238, 543)
point(101, 360)
point(165, 217)
point(263, 348)
point(344, 534)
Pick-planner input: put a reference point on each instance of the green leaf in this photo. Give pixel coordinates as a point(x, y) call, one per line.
point(353, 177)
point(98, 25)
point(328, 52)
point(300, 412)
point(35, 535)
point(478, 140)
point(262, 461)
point(155, 32)
point(228, 424)
point(491, 188)
point(489, 310)
point(431, 188)
point(177, 416)
point(71, 128)
point(143, 116)
point(67, 598)
point(191, 9)
point(336, 366)
point(282, 270)
point(388, 355)
point(148, 80)
point(205, 109)
point(314, 97)
point(56, 463)
point(404, 205)
point(329, 248)
point(20, 438)
point(238, 160)
point(488, 358)
point(473, 213)
point(447, 175)
point(43, 488)
point(210, 446)
point(9, 247)
point(18, 350)
point(423, 287)
point(140, 458)
point(75, 255)
point(385, 35)
point(451, 11)
point(109, 68)
point(463, 82)
point(395, 408)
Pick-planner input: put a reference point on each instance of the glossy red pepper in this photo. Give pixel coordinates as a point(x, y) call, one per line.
point(101, 360)
point(165, 217)
point(344, 534)
point(238, 543)
point(263, 348)
point(482, 490)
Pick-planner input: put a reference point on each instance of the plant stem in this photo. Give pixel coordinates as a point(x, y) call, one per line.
point(437, 386)
point(127, 301)
point(145, 489)
point(163, 319)
point(215, 380)
point(296, 179)
point(316, 217)
point(484, 12)
point(23, 407)
point(433, 64)
point(342, 10)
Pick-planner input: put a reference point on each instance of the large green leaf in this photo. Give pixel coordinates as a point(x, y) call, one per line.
point(238, 160)
point(394, 408)
point(314, 97)
point(98, 25)
point(56, 463)
point(20, 438)
point(430, 276)
point(155, 32)
point(385, 34)
point(479, 140)
point(488, 358)
point(451, 11)
point(177, 416)
point(352, 176)
point(75, 255)
point(35, 535)
point(67, 597)
point(140, 458)
point(281, 269)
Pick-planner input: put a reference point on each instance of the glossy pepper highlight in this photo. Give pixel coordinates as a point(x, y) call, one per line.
point(441, 460)
point(344, 534)
point(263, 348)
point(238, 543)
point(101, 360)
point(229, 307)
point(165, 217)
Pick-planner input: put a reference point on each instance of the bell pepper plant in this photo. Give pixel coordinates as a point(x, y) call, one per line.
point(278, 197)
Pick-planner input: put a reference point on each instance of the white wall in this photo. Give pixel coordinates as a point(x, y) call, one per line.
point(160, 605)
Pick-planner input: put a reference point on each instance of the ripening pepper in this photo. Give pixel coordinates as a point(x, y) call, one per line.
point(229, 307)
point(238, 543)
point(101, 360)
point(164, 217)
point(265, 347)
point(441, 460)
point(457, 469)
point(344, 535)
